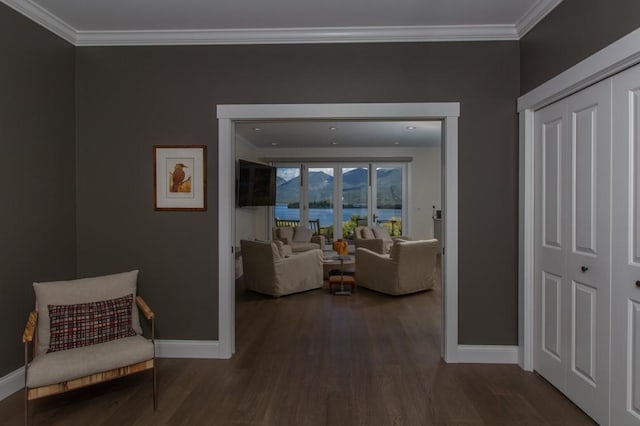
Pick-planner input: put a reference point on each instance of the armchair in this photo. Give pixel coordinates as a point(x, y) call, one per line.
point(84, 332)
point(375, 238)
point(298, 238)
point(269, 270)
point(410, 267)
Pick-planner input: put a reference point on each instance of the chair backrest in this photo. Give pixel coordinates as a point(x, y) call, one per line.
point(314, 225)
point(284, 223)
point(412, 255)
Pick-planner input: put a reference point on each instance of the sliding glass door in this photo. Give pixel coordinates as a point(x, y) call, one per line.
point(343, 196)
point(389, 189)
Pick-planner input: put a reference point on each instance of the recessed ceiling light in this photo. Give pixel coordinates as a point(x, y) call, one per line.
point(334, 143)
point(274, 143)
point(396, 143)
point(333, 128)
point(257, 129)
point(411, 127)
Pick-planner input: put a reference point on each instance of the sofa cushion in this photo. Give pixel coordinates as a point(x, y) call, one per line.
point(56, 367)
point(84, 324)
point(83, 290)
point(302, 235)
point(381, 232)
point(299, 247)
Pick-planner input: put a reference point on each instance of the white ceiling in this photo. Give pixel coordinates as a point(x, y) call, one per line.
point(115, 22)
point(340, 134)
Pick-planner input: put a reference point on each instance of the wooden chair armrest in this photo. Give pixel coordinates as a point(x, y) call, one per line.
point(146, 311)
point(30, 328)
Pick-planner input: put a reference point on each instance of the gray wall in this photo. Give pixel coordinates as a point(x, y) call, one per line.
point(572, 32)
point(37, 207)
point(130, 98)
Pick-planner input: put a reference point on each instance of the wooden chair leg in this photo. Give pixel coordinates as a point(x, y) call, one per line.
point(155, 388)
point(27, 420)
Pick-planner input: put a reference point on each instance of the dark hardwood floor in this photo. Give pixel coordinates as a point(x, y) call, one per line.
point(317, 359)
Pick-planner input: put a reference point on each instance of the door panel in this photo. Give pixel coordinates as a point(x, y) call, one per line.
point(584, 339)
point(584, 197)
point(552, 177)
point(551, 310)
point(625, 294)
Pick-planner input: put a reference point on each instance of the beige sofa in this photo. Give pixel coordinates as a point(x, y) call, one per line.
point(409, 267)
point(374, 238)
point(298, 238)
point(270, 269)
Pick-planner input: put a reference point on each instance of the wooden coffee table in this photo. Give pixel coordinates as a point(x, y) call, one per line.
point(341, 281)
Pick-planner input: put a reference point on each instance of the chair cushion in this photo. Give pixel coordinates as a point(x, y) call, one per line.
point(84, 324)
point(83, 290)
point(381, 232)
point(302, 235)
point(285, 234)
point(56, 367)
point(367, 233)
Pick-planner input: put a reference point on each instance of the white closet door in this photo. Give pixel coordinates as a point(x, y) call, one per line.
point(589, 259)
point(625, 296)
point(572, 294)
point(551, 290)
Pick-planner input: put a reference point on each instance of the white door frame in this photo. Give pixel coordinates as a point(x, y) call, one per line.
point(229, 114)
point(612, 59)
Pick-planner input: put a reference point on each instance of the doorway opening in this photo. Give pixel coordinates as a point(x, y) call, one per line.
point(230, 115)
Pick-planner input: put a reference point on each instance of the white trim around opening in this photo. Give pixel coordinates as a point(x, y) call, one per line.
point(228, 114)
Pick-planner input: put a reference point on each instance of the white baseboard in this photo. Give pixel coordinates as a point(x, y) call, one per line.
point(189, 349)
point(11, 383)
point(487, 354)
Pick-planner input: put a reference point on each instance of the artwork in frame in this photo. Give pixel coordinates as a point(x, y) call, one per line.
point(180, 177)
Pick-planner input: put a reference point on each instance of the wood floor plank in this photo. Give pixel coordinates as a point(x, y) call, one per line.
point(313, 359)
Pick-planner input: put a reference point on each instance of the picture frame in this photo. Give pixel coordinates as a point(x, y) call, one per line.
point(180, 177)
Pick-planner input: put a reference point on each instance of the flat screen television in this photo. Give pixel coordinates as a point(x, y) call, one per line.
point(256, 184)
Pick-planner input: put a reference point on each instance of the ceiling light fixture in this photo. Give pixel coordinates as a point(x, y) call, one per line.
point(257, 129)
point(396, 143)
point(334, 143)
point(411, 127)
point(274, 143)
point(333, 128)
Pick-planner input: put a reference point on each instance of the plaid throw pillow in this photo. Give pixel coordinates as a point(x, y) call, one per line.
point(84, 324)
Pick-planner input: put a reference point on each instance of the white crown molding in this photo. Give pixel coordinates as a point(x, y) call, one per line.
point(45, 18)
point(534, 15)
point(263, 35)
point(298, 35)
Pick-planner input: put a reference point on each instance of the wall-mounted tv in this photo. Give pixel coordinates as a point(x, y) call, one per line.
point(256, 184)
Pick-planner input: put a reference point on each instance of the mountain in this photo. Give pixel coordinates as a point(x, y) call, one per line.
point(355, 188)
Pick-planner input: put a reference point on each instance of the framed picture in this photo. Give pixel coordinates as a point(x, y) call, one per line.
point(180, 177)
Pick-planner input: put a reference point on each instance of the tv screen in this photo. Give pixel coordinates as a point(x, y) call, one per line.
point(256, 184)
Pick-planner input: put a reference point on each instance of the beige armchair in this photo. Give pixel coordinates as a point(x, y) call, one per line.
point(298, 238)
point(269, 269)
point(410, 267)
point(84, 332)
point(374, 238)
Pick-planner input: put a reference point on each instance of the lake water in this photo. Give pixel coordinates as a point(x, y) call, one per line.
point(326, 215)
